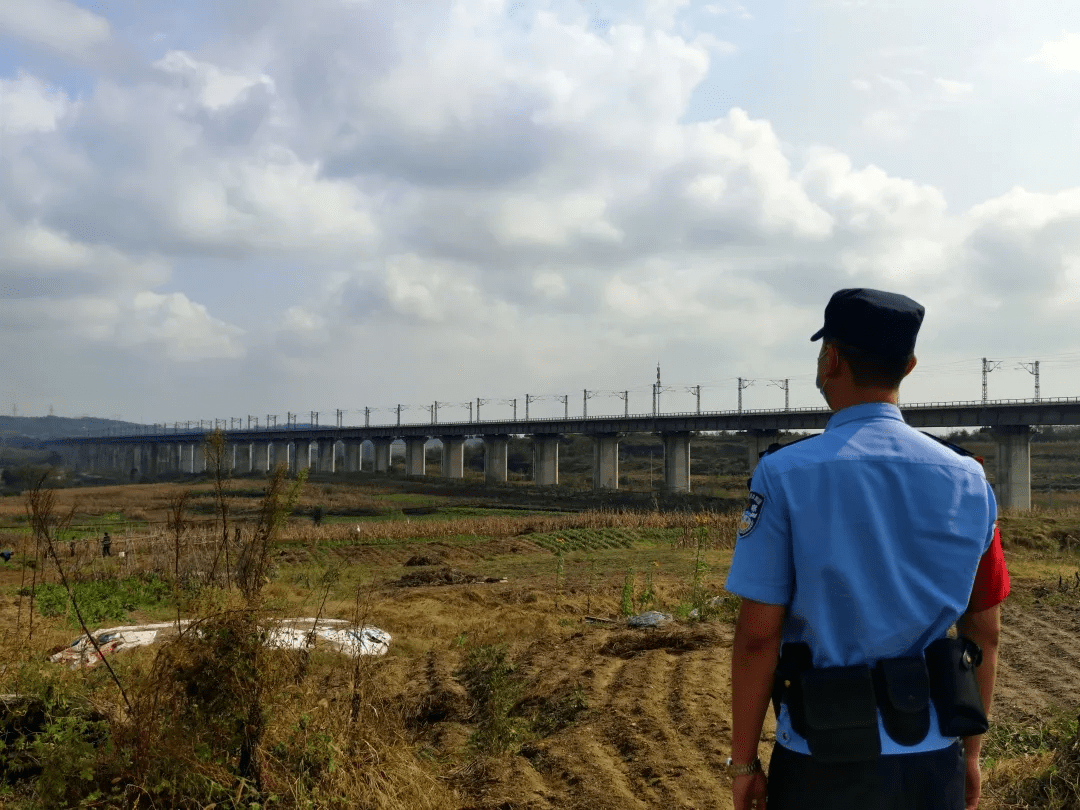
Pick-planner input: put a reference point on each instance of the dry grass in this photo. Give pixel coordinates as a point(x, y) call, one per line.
point(335, 736)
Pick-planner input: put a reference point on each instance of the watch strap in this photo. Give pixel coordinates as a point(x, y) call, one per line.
point(743, 770)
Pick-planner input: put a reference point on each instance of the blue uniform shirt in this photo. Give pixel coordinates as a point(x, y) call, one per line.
point(870, 535)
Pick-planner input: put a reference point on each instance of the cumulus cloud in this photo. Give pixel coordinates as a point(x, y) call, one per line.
point(58, 25)
point(28, 105)
point(905, 103)
point(525, 191)
point(214, 87)
point(954, 88)
point(170, 326)
point(1060, 55)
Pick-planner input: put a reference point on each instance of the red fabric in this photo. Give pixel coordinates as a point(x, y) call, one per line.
point(992, 579)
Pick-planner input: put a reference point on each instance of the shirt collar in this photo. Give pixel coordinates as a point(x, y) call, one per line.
point(868, 410)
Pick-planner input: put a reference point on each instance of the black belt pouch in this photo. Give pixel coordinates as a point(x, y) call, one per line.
point(903, 689)
point(841, 714)
point(795, 659)
point(951, 663)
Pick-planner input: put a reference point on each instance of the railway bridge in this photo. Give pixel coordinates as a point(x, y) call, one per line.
point(339, 449)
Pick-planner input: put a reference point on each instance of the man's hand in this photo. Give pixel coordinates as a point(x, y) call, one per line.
point(972, 782)
point(748, 792)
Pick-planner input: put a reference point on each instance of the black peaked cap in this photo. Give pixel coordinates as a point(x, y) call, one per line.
point(882, 323)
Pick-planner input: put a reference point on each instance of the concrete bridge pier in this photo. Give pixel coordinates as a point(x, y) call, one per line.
point(1013, 480)
point(759, 441)
point(382, 455)
point(415, 458)
point(170, 458)
point(546, 460)
point(453, 456)
point(606, 461)
point(136, 464)
point(676, 461)
point(153, 460)
point(196, 459)
point(495, 459)
point(353, 456)
point(326, 455)
point(277, 455)
point(302, 455)
point(260, 458)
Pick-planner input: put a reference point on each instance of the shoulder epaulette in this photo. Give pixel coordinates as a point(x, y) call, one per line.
point(954, 447)
point(775, 447)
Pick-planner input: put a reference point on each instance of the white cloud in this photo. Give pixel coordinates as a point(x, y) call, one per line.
point(735, 11)
point(183, 329)
point(159, 327)
point(282, 197)
point(530, 219)
point(896, 85)
point(215, 88)
point(550, 285)
point(41, 261)
point(58, 25)
point(662, 13)
point(28, 105)
point(954, 88)
point(430, 290)
point(1061, 55)
point(713, 43)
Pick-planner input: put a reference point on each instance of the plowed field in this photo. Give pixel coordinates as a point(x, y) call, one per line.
point(655, 729)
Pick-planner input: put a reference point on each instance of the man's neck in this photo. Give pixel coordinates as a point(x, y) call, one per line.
point(849, 397)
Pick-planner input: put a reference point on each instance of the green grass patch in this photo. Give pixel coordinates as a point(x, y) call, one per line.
point(1010, 740)
point(1048, 531)
point(109, 600)
point(596, 539)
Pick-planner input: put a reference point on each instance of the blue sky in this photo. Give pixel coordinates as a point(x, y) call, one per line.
point(215, 209)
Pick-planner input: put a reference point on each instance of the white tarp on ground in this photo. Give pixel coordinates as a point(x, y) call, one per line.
point(338, 635)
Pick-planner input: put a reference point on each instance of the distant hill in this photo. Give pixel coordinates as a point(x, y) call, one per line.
point(42, 428)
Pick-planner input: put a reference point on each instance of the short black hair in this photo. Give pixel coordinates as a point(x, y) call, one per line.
point(872, 370)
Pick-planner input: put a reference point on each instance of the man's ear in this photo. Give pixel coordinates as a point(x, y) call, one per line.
point(832, 361)
point(911, 365)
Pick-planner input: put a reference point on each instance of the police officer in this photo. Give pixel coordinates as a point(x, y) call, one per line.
point(859, 546)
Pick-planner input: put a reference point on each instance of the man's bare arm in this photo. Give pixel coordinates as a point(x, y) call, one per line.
point(753, 664)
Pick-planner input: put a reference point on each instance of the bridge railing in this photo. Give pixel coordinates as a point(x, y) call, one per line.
point(905, 406)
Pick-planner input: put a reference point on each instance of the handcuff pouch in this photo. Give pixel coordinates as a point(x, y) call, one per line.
point(903, 692)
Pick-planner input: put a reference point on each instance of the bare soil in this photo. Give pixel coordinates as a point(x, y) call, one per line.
point(656, 728)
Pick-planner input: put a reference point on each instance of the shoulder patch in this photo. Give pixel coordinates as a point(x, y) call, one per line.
point(754, 504)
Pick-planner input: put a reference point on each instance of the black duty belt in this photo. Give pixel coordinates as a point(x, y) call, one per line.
point(836, 708)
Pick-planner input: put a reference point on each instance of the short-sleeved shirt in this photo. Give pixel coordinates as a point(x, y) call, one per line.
point(870, 534)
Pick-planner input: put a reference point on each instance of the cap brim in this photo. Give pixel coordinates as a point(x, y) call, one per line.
point(818, 335)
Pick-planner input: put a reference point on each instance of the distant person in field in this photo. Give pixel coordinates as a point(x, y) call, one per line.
point(6, 555)
point(859, 549)
point(106, 545)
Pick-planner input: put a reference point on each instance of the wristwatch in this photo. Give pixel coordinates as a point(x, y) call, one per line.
point(743, 770)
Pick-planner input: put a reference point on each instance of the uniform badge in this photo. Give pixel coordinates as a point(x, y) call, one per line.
point(754, 505)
